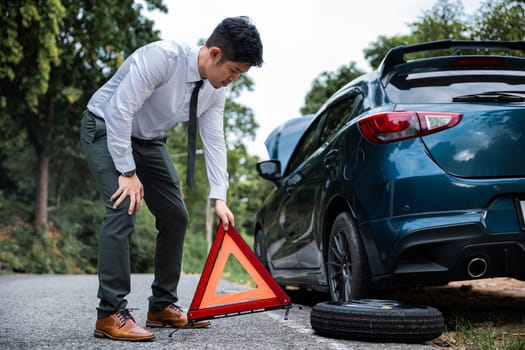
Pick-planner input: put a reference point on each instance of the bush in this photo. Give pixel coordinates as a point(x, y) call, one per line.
point(77, 223)
point(25, 251)
point(70, 244)
point(143, 240)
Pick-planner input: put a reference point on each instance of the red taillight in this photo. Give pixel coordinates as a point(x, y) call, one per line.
point(479, 62)
point(390, 127)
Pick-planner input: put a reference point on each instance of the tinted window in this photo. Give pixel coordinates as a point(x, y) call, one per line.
point(338, 115)
point(324, 127)
point(442, 87)
point(307, 145)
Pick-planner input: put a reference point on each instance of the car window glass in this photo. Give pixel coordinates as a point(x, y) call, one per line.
point(306, 145)
point(442, 87)
point(339, 115)
point(326, 125)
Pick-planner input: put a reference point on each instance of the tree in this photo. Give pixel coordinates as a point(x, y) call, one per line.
point(58, 53)
point(326, 84)
point(378, 50)
point(445, 20)
point(30, 52)
point(500, 20)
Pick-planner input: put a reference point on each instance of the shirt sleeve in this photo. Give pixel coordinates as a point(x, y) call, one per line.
point(145, 71)
point(211, 126)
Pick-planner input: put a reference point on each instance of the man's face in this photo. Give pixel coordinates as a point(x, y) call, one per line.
point(221, 74)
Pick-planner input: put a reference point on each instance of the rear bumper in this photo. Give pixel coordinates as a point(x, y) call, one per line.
point(455, 253)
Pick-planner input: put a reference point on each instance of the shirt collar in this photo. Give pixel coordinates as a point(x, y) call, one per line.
point(193, 65)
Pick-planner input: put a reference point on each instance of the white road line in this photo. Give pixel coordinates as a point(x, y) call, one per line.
point(324, 343)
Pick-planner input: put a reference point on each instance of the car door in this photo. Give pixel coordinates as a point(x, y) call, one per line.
point(310, 167)
point(282, 251)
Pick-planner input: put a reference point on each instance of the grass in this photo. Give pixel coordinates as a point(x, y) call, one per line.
point(497, 331)
point(479, 314)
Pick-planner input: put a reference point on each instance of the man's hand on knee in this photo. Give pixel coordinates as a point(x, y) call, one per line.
point(129, 187)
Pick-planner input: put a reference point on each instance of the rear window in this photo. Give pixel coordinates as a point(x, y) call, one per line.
point(443, 86)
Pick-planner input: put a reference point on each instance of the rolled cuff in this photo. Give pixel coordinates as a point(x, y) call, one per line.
point(124, 164)
point(218, 192)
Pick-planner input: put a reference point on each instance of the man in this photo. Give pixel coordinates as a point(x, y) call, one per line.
point(123, 137)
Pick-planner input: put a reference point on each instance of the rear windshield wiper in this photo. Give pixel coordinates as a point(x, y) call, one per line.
point(492, 96)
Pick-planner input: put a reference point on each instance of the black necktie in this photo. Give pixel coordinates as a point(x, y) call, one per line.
point(192, 134)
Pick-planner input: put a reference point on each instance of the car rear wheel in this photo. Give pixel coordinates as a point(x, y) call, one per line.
point(377, 320)
point(347, 265)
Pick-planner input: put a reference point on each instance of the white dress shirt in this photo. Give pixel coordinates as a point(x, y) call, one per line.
point(149, 94)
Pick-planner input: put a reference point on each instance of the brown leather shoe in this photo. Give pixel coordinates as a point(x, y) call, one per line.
point(172, 316)
point(121, 326)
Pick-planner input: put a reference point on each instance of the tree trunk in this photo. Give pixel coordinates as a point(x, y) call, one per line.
point(42, 189)
point(42, 144)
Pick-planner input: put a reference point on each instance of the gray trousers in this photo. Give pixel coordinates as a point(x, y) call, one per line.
point(162, 194)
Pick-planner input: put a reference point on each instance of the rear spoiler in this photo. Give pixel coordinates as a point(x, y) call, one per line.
point(396, 56)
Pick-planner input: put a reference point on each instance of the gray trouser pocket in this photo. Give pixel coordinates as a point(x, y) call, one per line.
point(92, 127)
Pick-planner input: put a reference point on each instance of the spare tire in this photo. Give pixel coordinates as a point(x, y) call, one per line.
point(377, 320)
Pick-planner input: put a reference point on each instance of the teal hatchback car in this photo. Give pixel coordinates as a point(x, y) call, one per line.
point(413, 174)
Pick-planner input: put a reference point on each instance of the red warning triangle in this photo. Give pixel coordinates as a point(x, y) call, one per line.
point(207, 303)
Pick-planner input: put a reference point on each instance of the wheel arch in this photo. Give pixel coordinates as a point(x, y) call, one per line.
point(336, 206)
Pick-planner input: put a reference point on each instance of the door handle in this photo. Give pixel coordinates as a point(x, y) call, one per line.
point(330, 157)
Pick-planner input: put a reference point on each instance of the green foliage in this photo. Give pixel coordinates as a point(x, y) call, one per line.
point(25, 251)
point(57, 54)
point(195, 252)
point(446, 19)
point(326, 84)
point(29, 29)
point(234, 271)
point(143, 242)
point(78, 222)
point(378, 49)
point(491, 332)
point(239, 121)
point(247, 190)
point(500, 20)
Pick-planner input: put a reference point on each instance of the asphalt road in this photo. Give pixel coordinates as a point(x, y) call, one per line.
point(58, 312)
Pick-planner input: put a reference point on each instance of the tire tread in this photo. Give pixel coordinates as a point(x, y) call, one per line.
point(404, 324)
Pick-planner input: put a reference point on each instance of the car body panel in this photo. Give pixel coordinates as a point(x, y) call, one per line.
point(473, 150)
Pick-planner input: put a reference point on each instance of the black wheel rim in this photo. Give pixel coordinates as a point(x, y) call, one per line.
point(340, 266)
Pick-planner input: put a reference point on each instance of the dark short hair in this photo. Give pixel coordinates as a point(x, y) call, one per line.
point(238, 39)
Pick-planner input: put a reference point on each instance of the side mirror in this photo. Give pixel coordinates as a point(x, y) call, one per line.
point(270, 170)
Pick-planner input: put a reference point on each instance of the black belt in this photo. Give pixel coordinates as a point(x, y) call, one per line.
point(146, 142)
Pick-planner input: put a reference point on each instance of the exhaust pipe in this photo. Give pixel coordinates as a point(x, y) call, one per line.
point(477, 267)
